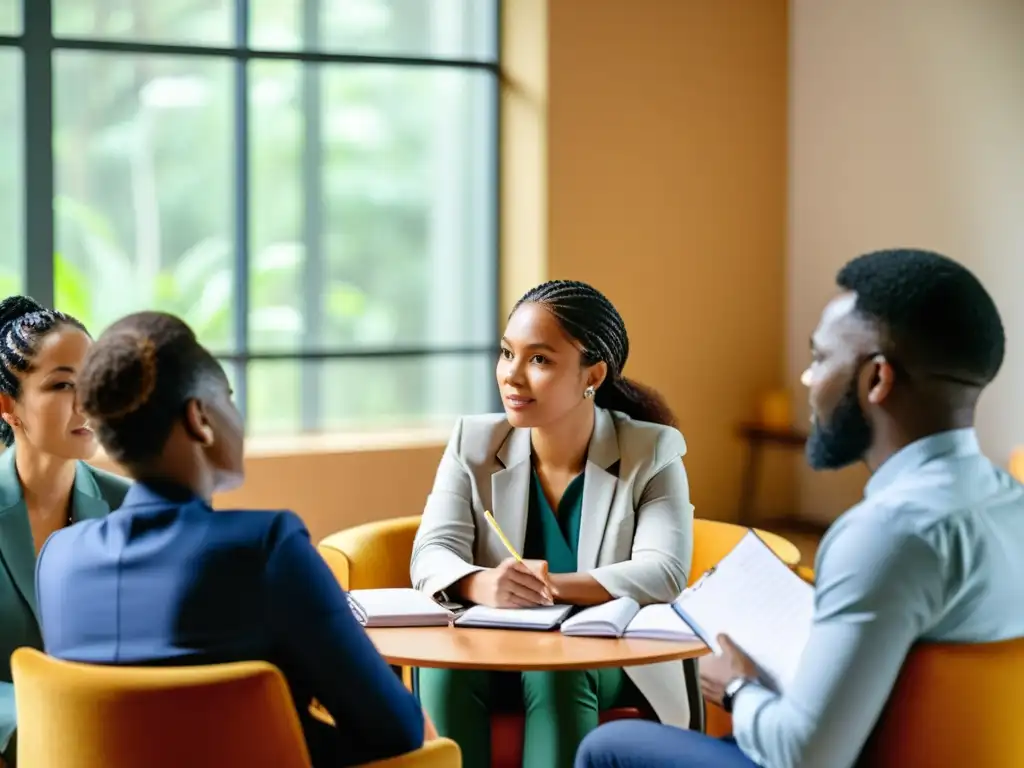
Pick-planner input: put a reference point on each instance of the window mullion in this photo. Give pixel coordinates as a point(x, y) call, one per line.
point(241, 190)
point(39, 183)
point(313, 277)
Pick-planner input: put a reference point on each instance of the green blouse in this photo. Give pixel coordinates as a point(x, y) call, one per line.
point(550, 536)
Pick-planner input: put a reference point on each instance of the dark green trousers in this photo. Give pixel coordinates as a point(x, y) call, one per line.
point(561, 708)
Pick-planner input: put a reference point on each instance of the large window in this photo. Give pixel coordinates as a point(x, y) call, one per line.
point(311, 184)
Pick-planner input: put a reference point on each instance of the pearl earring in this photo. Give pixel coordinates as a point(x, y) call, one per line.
point(588, 392)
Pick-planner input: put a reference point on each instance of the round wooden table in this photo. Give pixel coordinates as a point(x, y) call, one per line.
point(520, 650)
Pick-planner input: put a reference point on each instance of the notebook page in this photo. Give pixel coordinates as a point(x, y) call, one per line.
point(607, 619)
point(541, 617)
point(753, 597)
point(659, 622)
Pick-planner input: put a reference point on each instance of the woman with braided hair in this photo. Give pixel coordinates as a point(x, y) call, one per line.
point(583, 474)
point(167, 580)
point(45, 483)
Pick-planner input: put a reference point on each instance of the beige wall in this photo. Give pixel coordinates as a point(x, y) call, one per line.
point(907, 128)
point(666, 186)
point(644, 151)
point(334, 483)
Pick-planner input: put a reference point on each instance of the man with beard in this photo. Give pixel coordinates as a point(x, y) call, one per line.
point(932, 553)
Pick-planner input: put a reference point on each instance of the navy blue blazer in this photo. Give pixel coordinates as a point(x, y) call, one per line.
point(168, 580)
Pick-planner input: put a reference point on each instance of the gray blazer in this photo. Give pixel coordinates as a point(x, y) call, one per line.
point(636, 536)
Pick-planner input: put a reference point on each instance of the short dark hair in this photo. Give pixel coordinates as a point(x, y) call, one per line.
point(24, 323)
point(933, 310)
point(136, 380)
point(592, 320)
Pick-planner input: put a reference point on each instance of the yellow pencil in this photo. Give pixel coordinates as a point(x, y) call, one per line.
point(501, 535)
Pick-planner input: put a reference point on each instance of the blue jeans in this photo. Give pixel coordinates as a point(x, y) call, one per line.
point(644, 744)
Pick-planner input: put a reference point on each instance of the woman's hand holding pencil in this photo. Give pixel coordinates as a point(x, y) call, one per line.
point(516, 583)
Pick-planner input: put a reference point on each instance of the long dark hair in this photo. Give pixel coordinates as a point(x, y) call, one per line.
point(589, 318)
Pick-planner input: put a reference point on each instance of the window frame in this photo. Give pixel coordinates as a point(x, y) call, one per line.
point(39, 44)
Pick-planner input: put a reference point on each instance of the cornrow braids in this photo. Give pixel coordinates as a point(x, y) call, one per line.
point(24, 323)
point(591, 319)
point(136, 380)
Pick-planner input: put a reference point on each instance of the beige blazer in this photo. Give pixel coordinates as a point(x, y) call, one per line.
point(636, 535)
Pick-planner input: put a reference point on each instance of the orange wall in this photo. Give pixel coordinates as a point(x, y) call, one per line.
point(644, 151)
point(667, 189)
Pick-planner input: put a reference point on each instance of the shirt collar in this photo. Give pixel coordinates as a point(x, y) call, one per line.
point(955, 442)
point(159, 494)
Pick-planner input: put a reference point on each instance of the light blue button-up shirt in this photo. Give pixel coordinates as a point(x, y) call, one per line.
point(935, 551)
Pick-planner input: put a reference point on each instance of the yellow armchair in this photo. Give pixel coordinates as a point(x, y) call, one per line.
point(241, 714)
point(955, 705)
point(436, 753)
point(84, 716)
point(1016, 464)
point(713, 540)
point(439, 753)
point(377, 555)
point(372, 555)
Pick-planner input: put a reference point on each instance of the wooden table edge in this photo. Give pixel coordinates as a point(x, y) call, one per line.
point(673, 651)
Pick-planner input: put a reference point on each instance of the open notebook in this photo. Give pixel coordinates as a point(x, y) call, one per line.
point(624, 617)
point(397, 608)
point(755, 599)
point(544, 617)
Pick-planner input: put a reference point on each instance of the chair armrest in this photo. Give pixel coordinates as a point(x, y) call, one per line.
point(372, 555)
point(435, 753)
point(439, 753)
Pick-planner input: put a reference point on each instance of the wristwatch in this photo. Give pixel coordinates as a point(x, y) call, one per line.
point(732, 688)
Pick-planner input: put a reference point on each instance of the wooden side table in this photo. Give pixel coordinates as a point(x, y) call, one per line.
point(758, 438)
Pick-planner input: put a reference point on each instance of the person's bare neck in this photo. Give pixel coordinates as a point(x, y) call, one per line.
point(562, 446)
point(180, 463)
point(185, 477)
point(46, 480)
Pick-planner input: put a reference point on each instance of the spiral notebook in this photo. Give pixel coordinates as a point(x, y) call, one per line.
point(397, 608)
point(623, 617)
point(759, 602)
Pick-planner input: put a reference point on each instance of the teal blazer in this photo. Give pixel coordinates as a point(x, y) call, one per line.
point(95, 494)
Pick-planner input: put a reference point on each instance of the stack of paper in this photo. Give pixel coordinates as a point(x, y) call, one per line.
point(762, 605)
point(397, 608)
point(625, 618)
